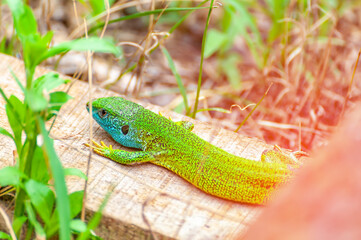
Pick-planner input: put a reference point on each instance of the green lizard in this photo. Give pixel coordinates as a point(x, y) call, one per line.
point(172, 145)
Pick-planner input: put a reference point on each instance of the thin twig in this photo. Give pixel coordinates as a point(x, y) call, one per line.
point(76, 14)
point(8, 223)
point(89, 58)
point(350, 85)
point(259, 102)
point(106, 19)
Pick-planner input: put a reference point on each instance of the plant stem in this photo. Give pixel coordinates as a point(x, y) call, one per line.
point(202, 58)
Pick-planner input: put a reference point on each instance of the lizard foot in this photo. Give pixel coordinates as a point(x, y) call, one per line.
point(101, 148)
point(278, 156)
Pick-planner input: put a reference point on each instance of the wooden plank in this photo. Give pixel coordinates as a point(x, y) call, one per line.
point(172, 207)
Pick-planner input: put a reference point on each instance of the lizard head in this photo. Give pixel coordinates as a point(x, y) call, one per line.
point(118, 117)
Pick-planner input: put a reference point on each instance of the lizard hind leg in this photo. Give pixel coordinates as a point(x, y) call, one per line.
point(277, 156)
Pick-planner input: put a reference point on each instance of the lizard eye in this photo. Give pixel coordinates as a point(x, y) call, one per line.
point(102, 113)
point(125, 129)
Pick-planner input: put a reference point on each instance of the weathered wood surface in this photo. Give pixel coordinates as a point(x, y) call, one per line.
point(172, 206)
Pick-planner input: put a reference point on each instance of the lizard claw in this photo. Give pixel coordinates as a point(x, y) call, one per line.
point(161, 114)
point(105, 146)
point(95, 144)
point(101, 148)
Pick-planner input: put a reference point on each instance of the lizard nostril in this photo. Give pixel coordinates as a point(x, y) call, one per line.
point(88, 103)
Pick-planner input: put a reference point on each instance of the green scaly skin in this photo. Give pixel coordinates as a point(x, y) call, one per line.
point(172, 145)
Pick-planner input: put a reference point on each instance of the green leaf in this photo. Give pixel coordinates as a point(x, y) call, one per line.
point(4, 235)
point(231, 69)
point(52, 227)
point(62, 199)
point(42, 198)
point(97, 6)
point(3, 131)
point(34, 45)
point(74, 172)
point(155, 11)
point(3, 47)
point(39, 168)
point(33, 49)
point(17, 80)
point(46, 38)
point(10, 176)
point(32, 219)
point(83, 44)
point(76, 204)
point(214, 42)
point(36, 101)
point(277, 10)
point(18, 223)
point(57, 100)
point(48, 82)
point(24, 20)
point(15, 111)
point(244, 23)
point(246, 20)
point(78, 225)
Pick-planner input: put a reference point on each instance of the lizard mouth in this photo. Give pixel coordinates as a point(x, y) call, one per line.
point(87, 106)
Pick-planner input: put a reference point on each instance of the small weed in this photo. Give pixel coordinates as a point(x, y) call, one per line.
point(44, 211)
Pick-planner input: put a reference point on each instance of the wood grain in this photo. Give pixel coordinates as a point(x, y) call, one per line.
point(172, 207)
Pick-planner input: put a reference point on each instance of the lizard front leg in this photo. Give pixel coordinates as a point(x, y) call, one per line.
point(122, 156)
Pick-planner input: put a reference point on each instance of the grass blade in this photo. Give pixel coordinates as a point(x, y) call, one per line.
point(62, 199)
point(181, 87)
point(202, 58)
point(93, 223)
point(142, 14)
point(259, 102)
